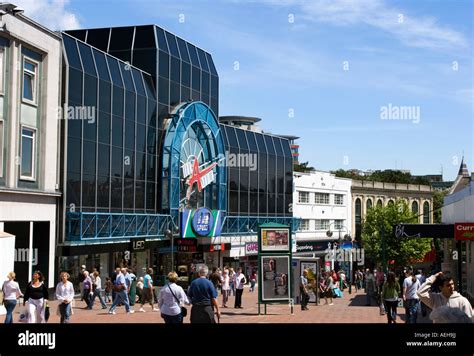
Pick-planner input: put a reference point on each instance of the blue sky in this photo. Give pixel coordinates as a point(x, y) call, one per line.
point(335, 64)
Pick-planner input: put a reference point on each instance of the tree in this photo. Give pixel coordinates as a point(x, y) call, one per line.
point(302, 167)
point(402, 250)
point(438, 201)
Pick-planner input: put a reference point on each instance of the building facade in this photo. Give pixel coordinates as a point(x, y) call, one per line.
point(156, 160)
point(366, 194)
point(30, 82)
point(323, 202)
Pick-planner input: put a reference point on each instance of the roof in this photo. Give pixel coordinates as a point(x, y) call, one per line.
point(252, 119)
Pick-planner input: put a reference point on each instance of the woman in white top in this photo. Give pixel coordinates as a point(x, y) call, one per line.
point(64, 295)
point(170, 300)
point(225, 287)
point(11, 292)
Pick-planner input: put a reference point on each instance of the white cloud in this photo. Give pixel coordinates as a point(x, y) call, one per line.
point(422, 32)
point(50, 13)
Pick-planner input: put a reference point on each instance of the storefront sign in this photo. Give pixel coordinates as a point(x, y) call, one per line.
point(201, 222)
point(464, 231)
point(137, 245)
point(186, 245)
point(193, 174)
point(216, 247)
point(251, 248)
point(440, 231)
point(312, 246)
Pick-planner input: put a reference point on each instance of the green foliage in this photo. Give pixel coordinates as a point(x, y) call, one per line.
point(438, 201)
point(387, 176)
point(302, 167)
point(402, 250)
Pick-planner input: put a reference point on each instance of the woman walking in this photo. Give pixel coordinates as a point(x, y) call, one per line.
point(390, 294)
point(64, 295)
point(170, 300)
point(37, 297)
point(11, 292)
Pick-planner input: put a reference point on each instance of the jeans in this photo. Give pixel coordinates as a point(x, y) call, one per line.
point(411, 309)
point(65, 311)
point(172, 319)
point(120, 297)
point(9, 306)
point(98, 295)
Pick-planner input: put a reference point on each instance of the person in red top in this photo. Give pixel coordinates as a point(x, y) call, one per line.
point(253, 281)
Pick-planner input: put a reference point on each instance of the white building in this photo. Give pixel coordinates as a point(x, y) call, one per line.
point(323, 202)
point(459, 208)
point(30, 85)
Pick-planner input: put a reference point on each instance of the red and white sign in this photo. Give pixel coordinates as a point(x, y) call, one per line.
point(464, 231)
point(201, 177)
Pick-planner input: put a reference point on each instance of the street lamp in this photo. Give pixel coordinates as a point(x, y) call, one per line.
point(347, 237)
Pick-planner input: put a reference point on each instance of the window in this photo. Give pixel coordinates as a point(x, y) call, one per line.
point(426, 212)
point(303, 197)
point(27, 153)
point(2, 61)
point(338, 199)
point(338, 224)
point(368, 204)
point(322, 198)
point(1, 148)
point(414, 207)
point(29, 80)
point(304, 225)
point(322, 224)
point(379, 203)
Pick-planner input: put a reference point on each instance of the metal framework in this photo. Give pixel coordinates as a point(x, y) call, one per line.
point(244, 224)
point(182, 119)
point(94, 226)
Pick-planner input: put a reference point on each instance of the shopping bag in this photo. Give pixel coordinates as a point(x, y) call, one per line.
point(23, 315)
point(46, 312)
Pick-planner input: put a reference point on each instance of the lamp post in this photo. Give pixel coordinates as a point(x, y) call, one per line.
point(346, 237)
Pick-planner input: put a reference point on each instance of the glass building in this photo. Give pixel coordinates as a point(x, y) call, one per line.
point(143, 143)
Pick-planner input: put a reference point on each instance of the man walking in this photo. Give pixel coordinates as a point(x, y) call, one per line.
point(203, 297)
point(304, 290)
point(239, 288)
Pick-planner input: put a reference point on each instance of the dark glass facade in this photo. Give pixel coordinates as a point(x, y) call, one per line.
point(111, 153)
point(260, 173)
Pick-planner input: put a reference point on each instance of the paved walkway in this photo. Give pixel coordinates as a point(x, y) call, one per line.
point(349, 309)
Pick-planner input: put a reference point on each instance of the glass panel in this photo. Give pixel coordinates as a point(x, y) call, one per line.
point(88, 190)
point(117, 103)
point(104, 160)
point(128, 197)
point(163, 65)
point(185, 94)
point(90, 129)
point(183, 50)
point(127, 76)
point(234, 178)
point(150, 169)
point(214, 86)
point(193, 55)
point(269, 142)
point(203, 60)
point(145, 59)
point(260, 143)
point(117, 161)
point(137, 79)
point(139, 195)
point(231, 136)
point(234, 202)
point(277, 143)
point(28, 85)
point(115, 71)
point(286, 148)
point(117, 131)
point(141, 138)
point(144, 37)
point(172, 44)
point(88, 152)
point(129, 164)
point(129, 134)
point(116, 193)
point(99, 38)
point(129, 106)
point(103, 192)
point(74, 155)
point(73, 188)
point(121, 39)
point(149, 86)
point(72, 52)
point(141, 109)
point(104, 127)
point(174, 94)
point(101, 64)
point(244, 202)
point(196, 79)
point(205, 83)
point(87, 61)
point(175, 73)
point(186, 74)
point(163, 91)
point(160, 34)
point(150, 196)
point(251, 140)
point(75, 87)
point(242, 140)
point(140, 165)
point(90, 91)
point(211, 64)
point(104, 96)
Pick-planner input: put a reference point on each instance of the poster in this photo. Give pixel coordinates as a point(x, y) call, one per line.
point(275, 278)
point(312, 268)
point(275, 240)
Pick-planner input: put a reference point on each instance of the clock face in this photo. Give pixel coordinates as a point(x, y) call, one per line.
point(197, 173)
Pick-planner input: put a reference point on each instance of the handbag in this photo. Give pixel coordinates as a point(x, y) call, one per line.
point(46, 312)
point(184, 311)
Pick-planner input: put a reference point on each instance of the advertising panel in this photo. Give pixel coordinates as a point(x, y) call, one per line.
point(275, 240)
point(275, 278)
